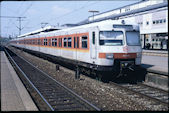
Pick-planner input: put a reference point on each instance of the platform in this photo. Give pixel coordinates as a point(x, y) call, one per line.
point(156, 63)
point(14, 96)
point(163, 53)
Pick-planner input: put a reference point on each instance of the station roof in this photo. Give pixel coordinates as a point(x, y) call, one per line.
point(116, 16)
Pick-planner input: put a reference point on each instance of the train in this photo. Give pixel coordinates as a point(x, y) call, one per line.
point(108, 45)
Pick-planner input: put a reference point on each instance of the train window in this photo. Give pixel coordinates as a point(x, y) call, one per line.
point(164, 20)
point(32, 41)
point(84, 41)
point(38, 41)
point(111, 38)
point(45, 41)
point(74, 42)
point(154, 22)
point(93, 37)
point(65, 42)
point(54, 42)
point(69, 42)
point(133, 38)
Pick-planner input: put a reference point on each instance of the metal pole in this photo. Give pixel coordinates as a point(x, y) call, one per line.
point(19, 19)
point(19, 25)
point(93, 11)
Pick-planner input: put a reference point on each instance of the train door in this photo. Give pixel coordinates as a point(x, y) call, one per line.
point(60, 46)
point(76, 45)
point(39, 43)
point(93, 45)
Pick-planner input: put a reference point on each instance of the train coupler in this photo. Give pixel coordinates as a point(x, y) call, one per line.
point(125, 66)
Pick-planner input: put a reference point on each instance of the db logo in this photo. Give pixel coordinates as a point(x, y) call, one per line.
point(125, 49)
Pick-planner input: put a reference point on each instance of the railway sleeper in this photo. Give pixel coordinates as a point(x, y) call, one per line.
point(57, 96)
point(54, 102)
point(48, 93)
point(67, 108)
point(65, 104)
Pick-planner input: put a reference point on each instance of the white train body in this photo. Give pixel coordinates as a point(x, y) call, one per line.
point(100, 44)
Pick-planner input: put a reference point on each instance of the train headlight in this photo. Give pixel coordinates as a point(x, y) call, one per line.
point(109, 55)
point(139, 55)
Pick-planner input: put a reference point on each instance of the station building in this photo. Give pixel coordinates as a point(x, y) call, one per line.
point(152, 17)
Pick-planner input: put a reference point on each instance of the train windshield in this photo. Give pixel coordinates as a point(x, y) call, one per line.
point(111, 38)
point(132, 38)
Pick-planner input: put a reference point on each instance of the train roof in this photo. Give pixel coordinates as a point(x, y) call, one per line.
point(102, 25)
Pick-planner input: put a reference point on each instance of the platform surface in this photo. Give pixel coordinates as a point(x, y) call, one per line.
point(157, 63)
point(14, 96)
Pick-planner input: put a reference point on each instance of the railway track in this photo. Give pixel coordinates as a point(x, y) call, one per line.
point(158, 96)
point(56, 96)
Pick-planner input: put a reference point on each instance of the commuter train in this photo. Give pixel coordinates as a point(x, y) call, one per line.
point(109, 45)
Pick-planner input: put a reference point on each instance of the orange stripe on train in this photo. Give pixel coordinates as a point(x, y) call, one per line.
point(119, 55)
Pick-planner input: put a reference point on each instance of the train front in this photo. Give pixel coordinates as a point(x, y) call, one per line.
point(120, 48)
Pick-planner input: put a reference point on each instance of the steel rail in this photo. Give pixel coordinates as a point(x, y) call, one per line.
point(73, 93)
point(29, 81)
point(145, 85)
point(144, 95)
point(96, 108)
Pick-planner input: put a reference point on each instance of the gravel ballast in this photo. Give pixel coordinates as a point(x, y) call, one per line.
point(105, 96)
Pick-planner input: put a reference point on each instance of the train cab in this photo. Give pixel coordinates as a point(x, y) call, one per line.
point(119, 47)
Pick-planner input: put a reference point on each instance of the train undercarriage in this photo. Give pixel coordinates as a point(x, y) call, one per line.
point(121, 66)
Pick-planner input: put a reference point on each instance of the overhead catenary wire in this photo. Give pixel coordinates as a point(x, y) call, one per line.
point(14, 12)
point(75, 10)
point(19, 7)
point(30, 5)
point(87, 4)
point(23, 13)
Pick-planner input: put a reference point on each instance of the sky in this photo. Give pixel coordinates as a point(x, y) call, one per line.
point(52, 12)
